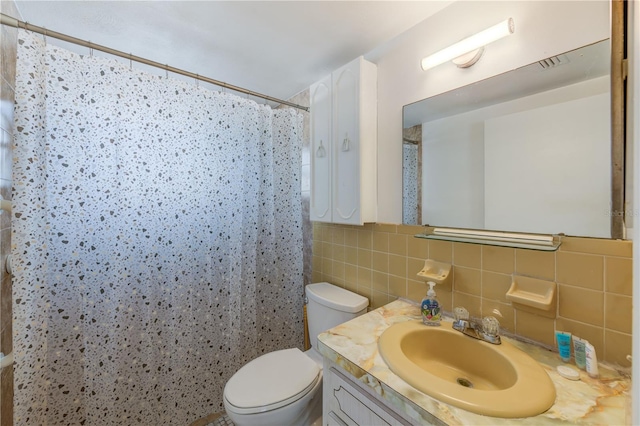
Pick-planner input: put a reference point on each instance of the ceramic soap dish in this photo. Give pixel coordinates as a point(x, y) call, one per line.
point(533, 295)
point(435, 271)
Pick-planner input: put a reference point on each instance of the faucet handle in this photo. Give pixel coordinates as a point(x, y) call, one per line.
point(490, 327)
point(460, 313)
point(461, 319)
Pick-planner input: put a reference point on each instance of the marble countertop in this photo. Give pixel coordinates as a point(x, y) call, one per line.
point(354, 347)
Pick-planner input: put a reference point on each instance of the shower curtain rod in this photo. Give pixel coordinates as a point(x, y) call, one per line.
point(12, 22)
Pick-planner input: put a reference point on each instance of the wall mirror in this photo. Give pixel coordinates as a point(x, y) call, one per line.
point(525, 151)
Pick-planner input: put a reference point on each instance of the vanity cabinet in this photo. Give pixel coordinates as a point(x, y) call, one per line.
point(344, 145)
point(346, 403)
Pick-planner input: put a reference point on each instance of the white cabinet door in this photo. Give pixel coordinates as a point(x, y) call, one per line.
point(345, 404)
point(344, 145)
point(333, 420)
point(346, 150)
point(320, 97)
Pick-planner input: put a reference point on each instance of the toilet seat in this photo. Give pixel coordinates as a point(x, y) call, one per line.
point(271, 381)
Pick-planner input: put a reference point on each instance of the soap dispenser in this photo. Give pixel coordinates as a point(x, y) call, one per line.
point(430, 307)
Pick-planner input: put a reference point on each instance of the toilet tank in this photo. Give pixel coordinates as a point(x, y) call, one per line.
point(329, 305)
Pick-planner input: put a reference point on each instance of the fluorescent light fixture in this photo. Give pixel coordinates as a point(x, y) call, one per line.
point(474, 46)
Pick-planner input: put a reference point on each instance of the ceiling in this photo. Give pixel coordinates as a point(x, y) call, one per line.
point(277, 48)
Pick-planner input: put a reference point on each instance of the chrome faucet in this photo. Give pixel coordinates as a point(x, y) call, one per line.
point(488, 329)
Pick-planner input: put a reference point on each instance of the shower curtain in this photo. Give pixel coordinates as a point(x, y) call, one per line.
point(157, 240)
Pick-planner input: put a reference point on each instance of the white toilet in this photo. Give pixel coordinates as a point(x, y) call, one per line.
point(285, 387)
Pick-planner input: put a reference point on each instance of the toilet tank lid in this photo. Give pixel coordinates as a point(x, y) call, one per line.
point(335, 297)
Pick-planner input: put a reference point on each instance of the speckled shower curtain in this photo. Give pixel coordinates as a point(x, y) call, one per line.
point(157, 241)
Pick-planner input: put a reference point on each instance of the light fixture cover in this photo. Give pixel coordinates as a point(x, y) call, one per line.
point(469, 44)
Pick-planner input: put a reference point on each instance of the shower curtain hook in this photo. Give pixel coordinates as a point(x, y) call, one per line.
point(130, 62)
point(166, 71)
point(45, 36)
point(197, 80)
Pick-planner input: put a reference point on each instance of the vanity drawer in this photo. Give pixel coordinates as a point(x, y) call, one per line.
point(348, 405)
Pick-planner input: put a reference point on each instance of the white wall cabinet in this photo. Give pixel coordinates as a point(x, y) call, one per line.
point(344, 145)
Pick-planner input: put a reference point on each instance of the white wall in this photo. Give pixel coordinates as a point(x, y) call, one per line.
point(546, 169)
point(453, 173)
point(542, 29)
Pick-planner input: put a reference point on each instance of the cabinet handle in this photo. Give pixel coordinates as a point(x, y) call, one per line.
point(345, 143)
point(321, 152)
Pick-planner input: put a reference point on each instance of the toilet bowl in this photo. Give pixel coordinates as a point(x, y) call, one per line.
point(284, 387)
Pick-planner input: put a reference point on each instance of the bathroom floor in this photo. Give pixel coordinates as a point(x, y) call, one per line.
point(221, 421)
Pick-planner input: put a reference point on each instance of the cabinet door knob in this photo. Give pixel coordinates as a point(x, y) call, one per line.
point(345, 143)
point(321, 152)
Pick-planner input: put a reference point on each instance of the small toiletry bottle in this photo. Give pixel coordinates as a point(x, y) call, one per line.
point(591, 360)
point(430, 307)
point(563, 338)
point(579, 352)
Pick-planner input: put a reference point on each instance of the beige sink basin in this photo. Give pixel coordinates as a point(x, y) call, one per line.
point(493, 380)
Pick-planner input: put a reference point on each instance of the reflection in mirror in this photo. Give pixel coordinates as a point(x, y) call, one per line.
point(526, 151)
point(412, 174)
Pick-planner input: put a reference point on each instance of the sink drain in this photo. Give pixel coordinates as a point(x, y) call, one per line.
point(464, 382)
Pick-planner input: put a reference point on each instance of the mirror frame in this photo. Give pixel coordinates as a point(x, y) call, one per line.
point(618, 120)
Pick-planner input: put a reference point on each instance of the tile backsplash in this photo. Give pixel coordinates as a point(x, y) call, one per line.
point(593, 276)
